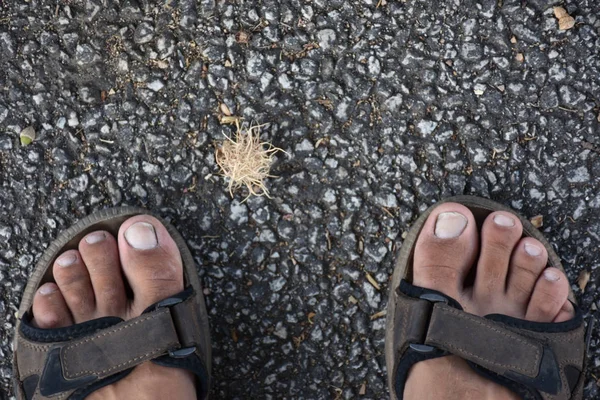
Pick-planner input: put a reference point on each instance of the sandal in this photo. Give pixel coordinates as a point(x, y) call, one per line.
point(533, 359)
point(72, 362)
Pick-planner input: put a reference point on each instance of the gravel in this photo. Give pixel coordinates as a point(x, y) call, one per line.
point(383, 108)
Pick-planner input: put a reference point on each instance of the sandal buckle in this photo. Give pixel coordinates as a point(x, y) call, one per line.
point(182, 353)
point(168, 302)
point(432, 298)
point(185, 351)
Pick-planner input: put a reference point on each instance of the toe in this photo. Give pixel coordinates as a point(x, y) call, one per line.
point(527, 263)
point(73, 279)
point(500, 234)
point(100, 253)
point(446, 249)
point(549, 296)
point(150, 260)
point(566, 312)
point(50, 309)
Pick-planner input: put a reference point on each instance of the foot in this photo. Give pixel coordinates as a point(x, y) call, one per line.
point(91, 283)
point(511, 278)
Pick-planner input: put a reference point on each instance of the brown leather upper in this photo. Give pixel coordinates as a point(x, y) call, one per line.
point(493, 345)
point(114, 349)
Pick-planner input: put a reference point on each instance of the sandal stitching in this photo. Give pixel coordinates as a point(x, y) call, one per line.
point(510, 336)
point(137, 321)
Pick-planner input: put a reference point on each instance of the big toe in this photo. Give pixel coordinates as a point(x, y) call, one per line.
point(446, 249)
point(150, 260)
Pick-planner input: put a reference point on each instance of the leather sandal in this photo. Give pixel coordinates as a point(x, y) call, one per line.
point(72, 362)
point(535, 360)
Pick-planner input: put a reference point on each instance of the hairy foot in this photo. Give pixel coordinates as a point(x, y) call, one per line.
point(511, 278)
point(91, 282)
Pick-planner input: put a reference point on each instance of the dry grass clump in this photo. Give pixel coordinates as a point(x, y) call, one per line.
point(246, 161)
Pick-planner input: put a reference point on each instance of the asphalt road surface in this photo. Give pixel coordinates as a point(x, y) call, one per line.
point(383, 108)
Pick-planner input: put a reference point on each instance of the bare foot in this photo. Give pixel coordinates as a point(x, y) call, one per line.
point(90, 283)
point(511, 278)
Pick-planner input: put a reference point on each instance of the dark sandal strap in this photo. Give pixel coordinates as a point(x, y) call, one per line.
point(545, 360)
point(167, 330)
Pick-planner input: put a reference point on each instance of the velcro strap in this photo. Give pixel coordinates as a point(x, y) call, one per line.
point(121, 346)
point(483, 342)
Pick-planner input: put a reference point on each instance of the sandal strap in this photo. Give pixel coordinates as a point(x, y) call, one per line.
point(169, 328)
point(542, 359)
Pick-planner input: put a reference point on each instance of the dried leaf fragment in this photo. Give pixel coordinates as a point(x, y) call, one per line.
point(378, 315)
point(363, 389)
point(27, 136)
point(584, 278)
point(225, 110)
point(560, 12)
point(565, 21)
point(537, 221)
point(372, 281)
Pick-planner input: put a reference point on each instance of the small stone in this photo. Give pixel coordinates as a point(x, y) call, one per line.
point(393, 103)
point(85, 55)
point(326, 38)
point(238, 212)
point(144, 33)
point(471, 51)
point(520, 57)
point(27, 135)
point(254, 65)
point(277, 284)
point(5, 143)
point(374, 66)
point(80, 183)
point(479, 89)
point(426, 127)
point(73, 120)
point(156, 85)
point(578, 175)
point(570, 96)
point(305, 146)
point(7, 45)
point(3, 113)
point(150, 169)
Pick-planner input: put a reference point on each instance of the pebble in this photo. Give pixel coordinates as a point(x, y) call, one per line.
point(86, 55)
point(144, 33)
point(326, 38)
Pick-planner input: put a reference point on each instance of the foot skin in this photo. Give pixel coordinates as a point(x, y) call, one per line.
point(90, 283)
point(511, 278)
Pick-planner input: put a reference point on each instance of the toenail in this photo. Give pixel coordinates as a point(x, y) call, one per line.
point(503, 220)
point(532, 250)
point(141, 236)
point(551, 274)
point(47, 289)
point(66, 260)
point(450, 225)
point(95, 237)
